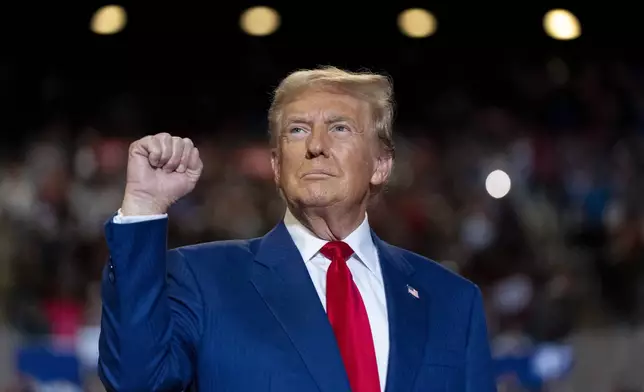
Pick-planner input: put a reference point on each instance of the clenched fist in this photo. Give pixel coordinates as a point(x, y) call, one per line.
point(161, 169)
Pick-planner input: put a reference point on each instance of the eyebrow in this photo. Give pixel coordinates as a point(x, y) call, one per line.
point(329, 120)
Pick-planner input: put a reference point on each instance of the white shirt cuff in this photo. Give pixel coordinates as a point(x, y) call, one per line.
point(121, 219)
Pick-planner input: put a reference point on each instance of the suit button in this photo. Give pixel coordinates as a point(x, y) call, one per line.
point(110, 273)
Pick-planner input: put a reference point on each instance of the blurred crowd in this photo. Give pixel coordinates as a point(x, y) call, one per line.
point(562, 251)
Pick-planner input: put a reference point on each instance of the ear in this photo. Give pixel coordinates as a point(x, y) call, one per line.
point(275, 164)
point(384, 164)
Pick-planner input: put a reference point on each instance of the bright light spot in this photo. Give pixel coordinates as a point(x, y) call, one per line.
point(109, 19)
point(259, 21)
point(551, 362)
point(417, 23)
point(561, 24)
point(498, 184)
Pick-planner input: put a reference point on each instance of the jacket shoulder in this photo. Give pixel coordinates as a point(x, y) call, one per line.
point(216, 253)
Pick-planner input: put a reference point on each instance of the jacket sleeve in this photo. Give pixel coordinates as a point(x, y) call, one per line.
point(479, 371)
point(152, 316)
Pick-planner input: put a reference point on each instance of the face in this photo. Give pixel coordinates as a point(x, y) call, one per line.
point(328, 152)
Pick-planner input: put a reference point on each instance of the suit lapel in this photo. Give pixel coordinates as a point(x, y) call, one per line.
point(282, 280)
point(408, 318)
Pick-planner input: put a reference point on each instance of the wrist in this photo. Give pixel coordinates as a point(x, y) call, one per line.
point(137, 205)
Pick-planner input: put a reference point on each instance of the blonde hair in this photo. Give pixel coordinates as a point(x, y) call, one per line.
point(375, 89)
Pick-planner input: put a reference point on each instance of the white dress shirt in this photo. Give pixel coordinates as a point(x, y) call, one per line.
point(364, 266)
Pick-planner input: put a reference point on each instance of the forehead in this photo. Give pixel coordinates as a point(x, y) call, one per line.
point(314, 104)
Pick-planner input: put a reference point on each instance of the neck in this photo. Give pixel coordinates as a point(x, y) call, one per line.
point(333, 223)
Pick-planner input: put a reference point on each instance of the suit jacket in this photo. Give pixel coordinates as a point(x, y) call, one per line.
point(240, 316)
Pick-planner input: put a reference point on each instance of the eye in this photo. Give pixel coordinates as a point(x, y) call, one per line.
point(296, 130)
point(341, 128)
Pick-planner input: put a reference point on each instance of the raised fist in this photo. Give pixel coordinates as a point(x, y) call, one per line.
point(161, 169)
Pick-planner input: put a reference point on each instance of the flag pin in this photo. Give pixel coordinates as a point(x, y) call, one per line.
point(412, 291)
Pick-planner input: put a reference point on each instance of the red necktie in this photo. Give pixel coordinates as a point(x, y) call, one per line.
point(349, 320)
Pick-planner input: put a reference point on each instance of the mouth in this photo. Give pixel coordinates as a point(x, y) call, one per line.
point(317, 175)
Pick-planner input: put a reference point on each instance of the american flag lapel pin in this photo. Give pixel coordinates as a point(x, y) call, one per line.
point(413, 292)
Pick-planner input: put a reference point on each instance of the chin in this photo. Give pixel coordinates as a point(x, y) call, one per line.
point(317, 202)
point(315, 197)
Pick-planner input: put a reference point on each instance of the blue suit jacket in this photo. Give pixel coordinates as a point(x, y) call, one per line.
point(240, 316)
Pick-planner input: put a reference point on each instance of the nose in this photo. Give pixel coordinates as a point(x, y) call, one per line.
point(318, 142)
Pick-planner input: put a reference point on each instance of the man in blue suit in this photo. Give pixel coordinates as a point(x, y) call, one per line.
point(320, 303)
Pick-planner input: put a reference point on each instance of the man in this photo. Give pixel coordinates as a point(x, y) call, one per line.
point(320, 303)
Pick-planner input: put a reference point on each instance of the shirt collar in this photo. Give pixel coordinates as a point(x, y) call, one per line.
point(309, 245)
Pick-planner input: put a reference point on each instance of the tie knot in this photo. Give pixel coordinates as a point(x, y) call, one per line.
point(337, 250)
